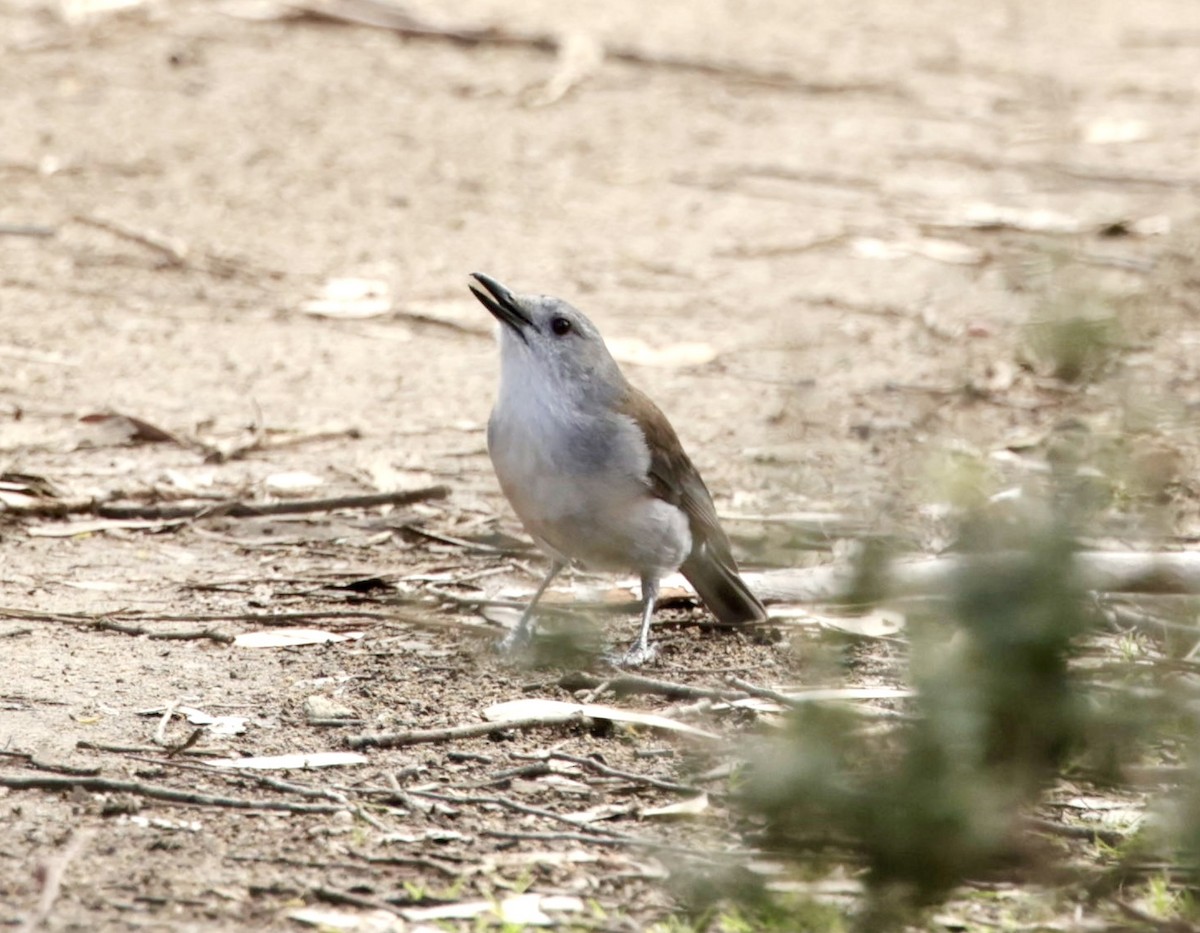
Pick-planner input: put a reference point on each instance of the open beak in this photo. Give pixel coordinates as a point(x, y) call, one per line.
point(500, 301)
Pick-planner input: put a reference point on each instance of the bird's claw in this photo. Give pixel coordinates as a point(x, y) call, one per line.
point(639, 654)
point(516, 640)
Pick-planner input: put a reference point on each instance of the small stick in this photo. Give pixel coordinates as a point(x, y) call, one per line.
point(102, 785)
point(1107, 836)
point(160, 734)
point(517, 807)
point(111, 621)
point(346, 899)
point(452, 733)
point(239, 509)
point(173, 250)
point(655, 845)
point(765, 693)
point(144, 750)
point(634, 683)
point(608, 771)
point(462, 543)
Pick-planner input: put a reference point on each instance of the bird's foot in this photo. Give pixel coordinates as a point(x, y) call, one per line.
point(640, 653)
point(514, 642)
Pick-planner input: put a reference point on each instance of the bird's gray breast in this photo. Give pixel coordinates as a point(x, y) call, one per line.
point(579, 484)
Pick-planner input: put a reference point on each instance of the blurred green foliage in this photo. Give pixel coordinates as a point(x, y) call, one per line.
point(1003, 709)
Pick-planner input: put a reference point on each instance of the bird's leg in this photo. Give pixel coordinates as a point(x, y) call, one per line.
point(520, 635)
point(642, 650)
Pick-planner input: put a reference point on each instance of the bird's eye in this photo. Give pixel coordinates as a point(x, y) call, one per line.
point(561, 326)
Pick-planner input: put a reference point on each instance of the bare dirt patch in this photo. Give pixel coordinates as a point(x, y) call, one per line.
point(809, 208)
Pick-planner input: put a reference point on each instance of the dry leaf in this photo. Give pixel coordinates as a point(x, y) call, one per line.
point(217, 725)
point(291, 638)
point(1106, 132)
point(1035, 220)
point(300, 760)
point(352, 299)
point(326, 920)
point(97, 586)
point(191, 481)
point(503, 616)
point(693, 806)
point(949, 251)
point(668, 356)
point(15, 499)
point(605, 811)
point(879, 623)
point(1154, 225)
point(825, 694)
point(25, 490)
point(77, 11)
point(561, 711)
point(460, 315)
point(291, 483)
point(874, 248)
point(114, 428)
point(518, 910)
point(97, 526)
point(323, 707)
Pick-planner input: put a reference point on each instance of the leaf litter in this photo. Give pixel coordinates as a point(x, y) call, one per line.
point(402, 691)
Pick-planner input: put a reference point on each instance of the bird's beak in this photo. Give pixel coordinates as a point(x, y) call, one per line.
point(500, 301)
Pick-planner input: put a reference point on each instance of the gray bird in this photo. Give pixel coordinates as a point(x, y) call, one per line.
point(593, 468)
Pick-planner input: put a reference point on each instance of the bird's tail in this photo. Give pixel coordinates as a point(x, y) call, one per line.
point(722, 590)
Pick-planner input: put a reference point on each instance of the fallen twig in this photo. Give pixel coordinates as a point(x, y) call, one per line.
point(174, 252)
point(1109, 837)
point(452, 733)
point(634, 683)
point(101, 785)
point(261, 440)
point(657, 846)
point(796, 701)
point(41, 765)
point(110, 622)
point(238, 509)
point(517, 807)
point(477, 547)
point(608, 771)
point(120, 621)
point(1078, 172)
point(1161, 573)
point(763, 693)
point(347, 899)
point(145, 750)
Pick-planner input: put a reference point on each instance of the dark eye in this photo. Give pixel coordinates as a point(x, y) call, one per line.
point(560, 326)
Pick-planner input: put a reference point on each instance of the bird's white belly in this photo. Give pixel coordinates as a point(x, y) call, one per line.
point(598, 513)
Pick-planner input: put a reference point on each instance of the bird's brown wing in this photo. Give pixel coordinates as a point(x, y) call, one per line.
point(674, 478)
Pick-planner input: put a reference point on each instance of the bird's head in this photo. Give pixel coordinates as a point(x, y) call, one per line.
point(545, 339)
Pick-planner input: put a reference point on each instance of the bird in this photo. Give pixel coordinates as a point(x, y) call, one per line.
point(593, 468)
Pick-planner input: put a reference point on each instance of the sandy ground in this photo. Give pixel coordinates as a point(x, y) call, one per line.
point(821, 253)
